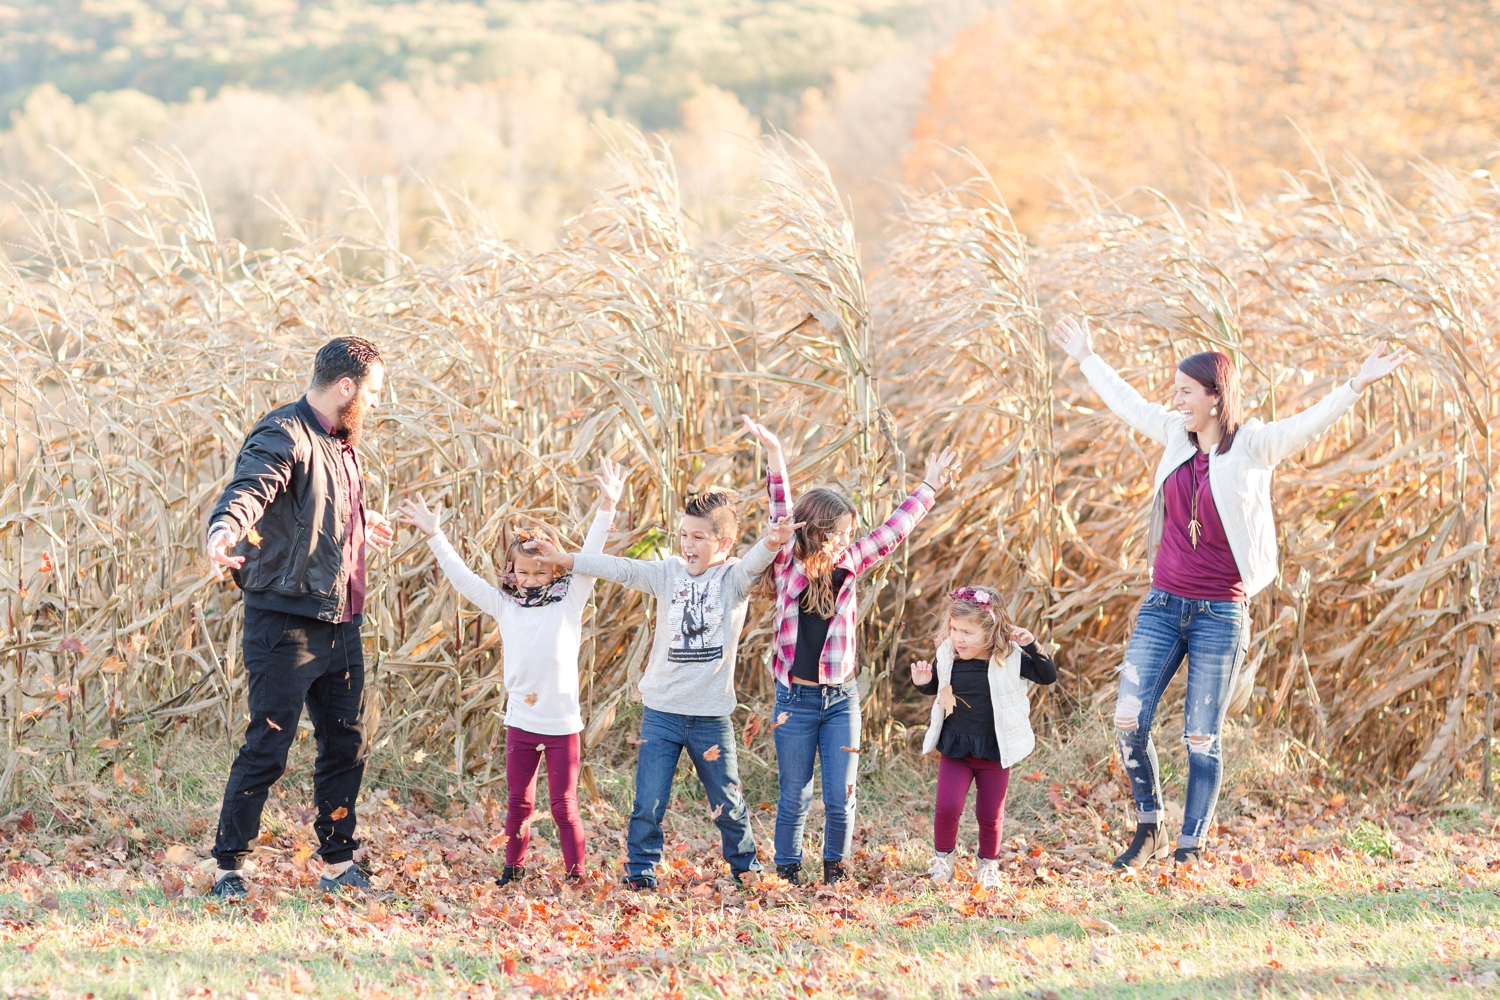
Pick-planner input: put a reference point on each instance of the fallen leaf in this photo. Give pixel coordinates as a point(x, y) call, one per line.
point(753, 727)
point(338, 814)
point(272, 723)
point(73, 644)
point(716, 812)
point(634, 741)
point(1096, 924)
point(173, 885)
point(947, 699)
point(253, 537)
point(1054, 796)
point(530, 699)
point(47, 564)
point(179, 854)
point(299, 980)
point(107, 743)
point(419, 756)
point(712, 753)
point(1337, 800)
point(781, 720)
point(112, 665)
point(853, 750)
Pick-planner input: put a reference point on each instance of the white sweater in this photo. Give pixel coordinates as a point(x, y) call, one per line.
point(540, 644)
point(1007, 695)
point(1239, 481)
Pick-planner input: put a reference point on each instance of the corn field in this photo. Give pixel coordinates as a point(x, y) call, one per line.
point(139, 346)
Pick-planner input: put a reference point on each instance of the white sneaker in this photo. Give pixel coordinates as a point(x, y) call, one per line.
point(941, 867)
point(988, 873)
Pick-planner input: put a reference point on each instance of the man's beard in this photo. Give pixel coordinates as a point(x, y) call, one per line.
point(351, 420)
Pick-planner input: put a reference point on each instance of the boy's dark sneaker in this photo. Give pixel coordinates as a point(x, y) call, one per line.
point(229, 887)
point(1190, 857)
point(834, 871)
point(352, 877)
point(1149, 844)
point(640, 883)
point(512, 873)
point(792, 873)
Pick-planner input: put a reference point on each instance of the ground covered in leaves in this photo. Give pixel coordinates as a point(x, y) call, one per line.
point(1307, 892)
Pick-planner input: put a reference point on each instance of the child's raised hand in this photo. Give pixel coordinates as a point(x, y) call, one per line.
point(921, 672)
point(763, 434)
point(543, 551)
point(780, 532)
point(416, 514)
point(611, 480)
point(1020, 636)
point(942, 469)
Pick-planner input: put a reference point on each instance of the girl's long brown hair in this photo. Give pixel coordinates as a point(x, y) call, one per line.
point(992, 618)
point(819, 510)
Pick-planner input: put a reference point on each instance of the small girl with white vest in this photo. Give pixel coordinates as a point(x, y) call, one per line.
point(981, 720)
point(540, 612)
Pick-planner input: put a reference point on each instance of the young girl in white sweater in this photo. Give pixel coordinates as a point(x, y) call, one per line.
point(981, 720)
point(540, 611)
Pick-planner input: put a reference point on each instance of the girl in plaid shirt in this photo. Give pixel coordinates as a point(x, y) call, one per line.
point(812, 654)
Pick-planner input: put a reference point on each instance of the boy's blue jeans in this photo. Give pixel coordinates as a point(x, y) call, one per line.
point(820, 721)
point(1214, 636)
point(664, 735)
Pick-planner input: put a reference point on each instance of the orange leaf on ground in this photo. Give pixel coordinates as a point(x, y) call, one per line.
point(179, 854)
point(338, 814)
point(712, 753)
point(172, 885)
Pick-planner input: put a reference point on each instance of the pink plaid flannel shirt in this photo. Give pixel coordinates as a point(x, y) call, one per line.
point(838, 663)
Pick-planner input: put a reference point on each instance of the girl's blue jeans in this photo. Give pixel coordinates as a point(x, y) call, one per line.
point(1214, 636)
point(821, 721)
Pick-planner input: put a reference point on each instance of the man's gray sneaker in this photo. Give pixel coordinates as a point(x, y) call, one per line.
point(352, 877)
point(228, 887)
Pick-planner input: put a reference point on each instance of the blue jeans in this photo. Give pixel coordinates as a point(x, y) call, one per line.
point(664, 735)
point(1214, 635)
point(820, 720)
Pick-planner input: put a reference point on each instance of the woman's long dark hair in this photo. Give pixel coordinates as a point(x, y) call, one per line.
point(1216, 373)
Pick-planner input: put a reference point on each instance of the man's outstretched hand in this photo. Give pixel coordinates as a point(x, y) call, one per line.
point(219, 544)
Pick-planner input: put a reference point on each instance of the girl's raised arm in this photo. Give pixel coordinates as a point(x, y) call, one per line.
point(777, 484)
point(880, 542)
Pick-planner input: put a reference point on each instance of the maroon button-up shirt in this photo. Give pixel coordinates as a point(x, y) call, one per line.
point(354, 529)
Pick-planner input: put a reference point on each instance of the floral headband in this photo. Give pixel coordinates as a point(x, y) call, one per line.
point(973, 595)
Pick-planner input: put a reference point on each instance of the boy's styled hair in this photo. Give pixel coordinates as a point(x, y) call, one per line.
point(981, 605)
point(819, 510)
point(717, 507)
point(344, 357)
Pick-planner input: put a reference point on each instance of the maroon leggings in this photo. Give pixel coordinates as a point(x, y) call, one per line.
point(954, 776)
point(523, 757)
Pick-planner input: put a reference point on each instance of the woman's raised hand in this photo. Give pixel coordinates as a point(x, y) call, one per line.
point(1378, 365)
point(1073, 337)
point(921, 672)
point(416, 514)
point(763, 434)
point(942, 469)
point(611, 480)
point(781, 531)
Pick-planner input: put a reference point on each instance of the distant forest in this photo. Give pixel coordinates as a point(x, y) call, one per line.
point(635, 59)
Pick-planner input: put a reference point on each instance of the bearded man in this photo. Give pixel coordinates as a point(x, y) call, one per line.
point(292, 528)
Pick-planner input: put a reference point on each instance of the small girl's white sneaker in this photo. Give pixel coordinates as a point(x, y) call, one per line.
point(988, 873)
point(941, 867)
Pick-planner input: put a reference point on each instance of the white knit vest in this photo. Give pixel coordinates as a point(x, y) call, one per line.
point(1007, 694)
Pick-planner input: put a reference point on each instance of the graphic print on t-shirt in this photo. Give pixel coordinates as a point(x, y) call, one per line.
point(696, 617)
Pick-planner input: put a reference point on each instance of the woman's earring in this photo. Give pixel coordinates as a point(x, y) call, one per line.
point(1213, 412)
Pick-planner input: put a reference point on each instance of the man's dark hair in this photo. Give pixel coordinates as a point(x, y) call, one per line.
point(344, 357)
point(718, 507)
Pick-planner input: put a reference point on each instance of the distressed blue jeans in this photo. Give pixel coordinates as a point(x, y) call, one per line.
point(821, 724)
point(664, 735)
point(1214, 636)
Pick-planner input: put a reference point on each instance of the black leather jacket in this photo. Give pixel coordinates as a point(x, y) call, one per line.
point(290, 485)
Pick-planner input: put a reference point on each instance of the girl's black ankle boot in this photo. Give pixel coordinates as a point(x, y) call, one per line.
point(1149, 844)
point(512, 873)
point(833, 871)
point(792, 873)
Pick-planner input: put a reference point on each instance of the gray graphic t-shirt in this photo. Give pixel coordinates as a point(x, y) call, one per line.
point(698, 624)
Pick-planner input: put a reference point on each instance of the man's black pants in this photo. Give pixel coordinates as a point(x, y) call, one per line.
point(291, 661)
